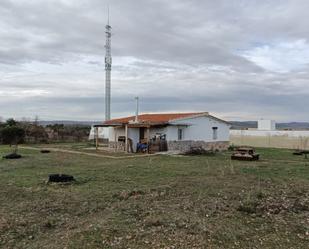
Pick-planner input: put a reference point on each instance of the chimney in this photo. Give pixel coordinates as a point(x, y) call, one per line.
point(136, 111)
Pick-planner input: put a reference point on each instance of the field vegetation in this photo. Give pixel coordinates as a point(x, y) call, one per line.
point(154, 202)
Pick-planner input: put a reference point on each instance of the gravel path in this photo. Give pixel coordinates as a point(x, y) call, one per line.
point(84, 153)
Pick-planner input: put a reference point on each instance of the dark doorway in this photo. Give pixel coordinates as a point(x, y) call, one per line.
point(141, 133)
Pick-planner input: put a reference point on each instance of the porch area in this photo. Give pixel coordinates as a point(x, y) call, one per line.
point(135, 138)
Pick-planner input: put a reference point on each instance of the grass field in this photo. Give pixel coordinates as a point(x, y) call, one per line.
point(155, 202)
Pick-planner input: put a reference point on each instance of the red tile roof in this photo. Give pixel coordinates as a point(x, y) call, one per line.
point(154, 118)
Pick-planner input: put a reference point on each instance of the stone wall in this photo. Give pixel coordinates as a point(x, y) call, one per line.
point(116, 146)
point(184, 146)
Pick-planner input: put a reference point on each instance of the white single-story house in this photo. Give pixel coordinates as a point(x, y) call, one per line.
point(181, 131)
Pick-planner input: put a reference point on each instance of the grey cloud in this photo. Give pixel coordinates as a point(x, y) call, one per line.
point(152, 29)
point(186, 55)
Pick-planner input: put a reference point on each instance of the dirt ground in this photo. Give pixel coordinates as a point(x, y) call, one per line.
point(155, 202)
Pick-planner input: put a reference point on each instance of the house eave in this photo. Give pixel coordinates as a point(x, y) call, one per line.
point(108, 125)
point(134, 125)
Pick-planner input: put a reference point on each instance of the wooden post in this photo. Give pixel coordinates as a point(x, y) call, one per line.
point(116, 141)
point(96, 138)
point(147, 135)
point(148, 139)
point(126, 135)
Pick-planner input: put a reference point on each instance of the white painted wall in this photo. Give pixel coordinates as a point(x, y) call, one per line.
point(133, 133)
point(115, 132)
point(266, 125)
point(172, 133)
point(257, 133)
point(199, 129)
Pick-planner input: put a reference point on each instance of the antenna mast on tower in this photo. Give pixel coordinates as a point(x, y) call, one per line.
point(108, 69)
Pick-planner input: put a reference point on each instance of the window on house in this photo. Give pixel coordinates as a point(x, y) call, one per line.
point(214, 133)
point(180, 134)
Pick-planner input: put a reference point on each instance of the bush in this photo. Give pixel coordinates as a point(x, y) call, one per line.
point(232, 147)
point(67, 133)
point(12, 135)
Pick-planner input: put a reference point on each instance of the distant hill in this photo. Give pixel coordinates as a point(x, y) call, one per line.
point(235, 124)
point(243, 124)
point(280, 126)
point(293, 126)
point(69, 122)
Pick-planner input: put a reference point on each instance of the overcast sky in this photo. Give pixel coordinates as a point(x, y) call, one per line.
point(237, 59)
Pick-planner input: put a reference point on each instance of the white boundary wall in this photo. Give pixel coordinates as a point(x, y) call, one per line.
point(275, 139)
